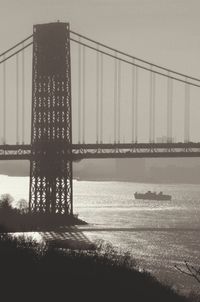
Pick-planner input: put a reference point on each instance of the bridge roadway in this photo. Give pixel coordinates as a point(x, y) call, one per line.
point(119, 150)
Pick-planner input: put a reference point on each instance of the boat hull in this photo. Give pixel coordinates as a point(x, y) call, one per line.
point(157, 197)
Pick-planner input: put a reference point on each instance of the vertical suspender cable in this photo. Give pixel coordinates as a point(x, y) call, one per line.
point(133, 102)
point(187, 114)
point(136, 104)
point(97, 95)
point(79, 92)
point(150, 107)
point(83, 98)
point(153, 105)
point(17, 99)
point(119, 101)
point(101, 99)
point(115, 99)
point(23, 95)
point(4, 102)
point(169, 108)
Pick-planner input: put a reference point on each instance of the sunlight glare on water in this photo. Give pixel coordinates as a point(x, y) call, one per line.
point(159, 234)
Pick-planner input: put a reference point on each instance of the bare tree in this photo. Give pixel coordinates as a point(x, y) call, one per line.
point(190, 271)
point(6, 201)
point(22, 204)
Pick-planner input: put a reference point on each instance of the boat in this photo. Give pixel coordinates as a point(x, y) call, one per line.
point(152, 196)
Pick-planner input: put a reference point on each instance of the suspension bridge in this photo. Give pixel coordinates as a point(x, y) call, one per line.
point(118, 105)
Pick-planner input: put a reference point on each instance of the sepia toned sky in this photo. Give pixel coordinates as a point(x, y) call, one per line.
point(165, 32)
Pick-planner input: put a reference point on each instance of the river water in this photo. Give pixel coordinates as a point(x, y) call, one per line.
point(159, 234)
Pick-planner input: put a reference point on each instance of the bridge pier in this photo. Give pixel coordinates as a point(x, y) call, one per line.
point(51, 134)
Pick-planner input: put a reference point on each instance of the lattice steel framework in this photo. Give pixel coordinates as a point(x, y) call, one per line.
point(51, 137)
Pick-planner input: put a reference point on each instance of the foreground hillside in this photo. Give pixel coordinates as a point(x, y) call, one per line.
point(41, 272)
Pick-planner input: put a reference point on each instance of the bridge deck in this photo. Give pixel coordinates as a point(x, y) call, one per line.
point(136, 150)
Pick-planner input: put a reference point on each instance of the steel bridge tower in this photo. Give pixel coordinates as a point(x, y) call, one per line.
point(51, 134)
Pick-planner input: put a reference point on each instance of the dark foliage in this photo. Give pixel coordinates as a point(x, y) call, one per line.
point(15, 220)
point(42, 273)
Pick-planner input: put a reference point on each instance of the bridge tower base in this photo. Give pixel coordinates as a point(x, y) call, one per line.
point(51, 136)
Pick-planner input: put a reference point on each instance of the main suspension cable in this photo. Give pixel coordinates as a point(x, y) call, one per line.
point(15, 53)
point(139, 66)
point(16, 45)
point(133, 57)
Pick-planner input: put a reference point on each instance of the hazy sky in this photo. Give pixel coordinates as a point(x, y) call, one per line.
point(166, 32)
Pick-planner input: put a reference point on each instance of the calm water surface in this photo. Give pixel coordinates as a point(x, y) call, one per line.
point(159, 234)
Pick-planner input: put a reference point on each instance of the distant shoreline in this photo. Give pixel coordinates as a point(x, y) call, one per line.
point(119, 180)
point(134, 181)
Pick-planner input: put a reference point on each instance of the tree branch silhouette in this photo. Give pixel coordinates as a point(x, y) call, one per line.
point(190, 271)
